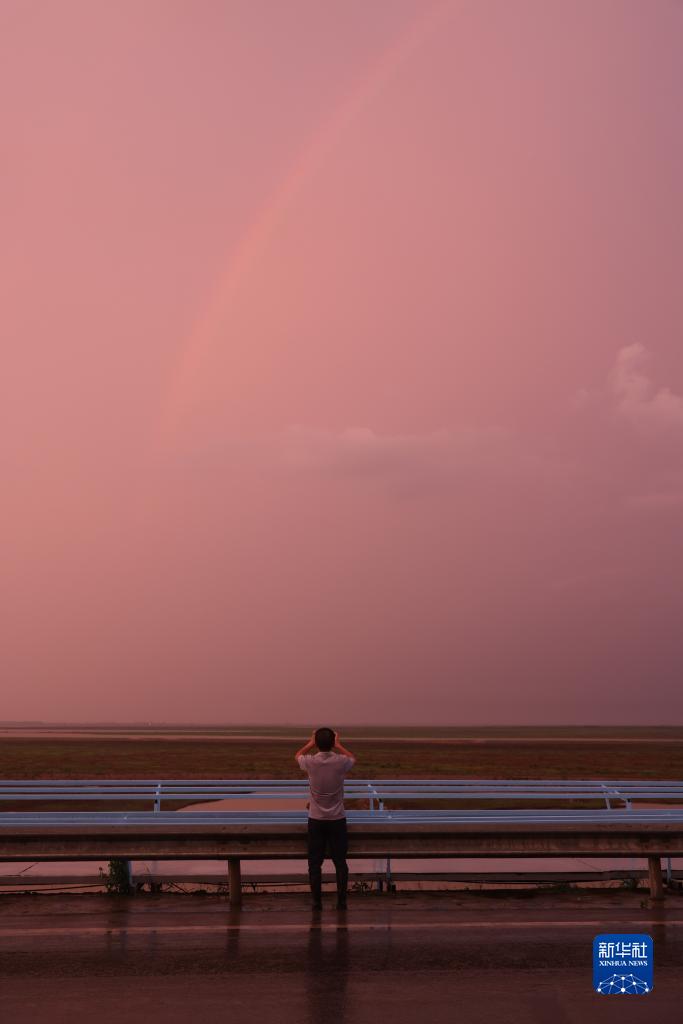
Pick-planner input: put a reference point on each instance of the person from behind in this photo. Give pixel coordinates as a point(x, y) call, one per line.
point(326, 771)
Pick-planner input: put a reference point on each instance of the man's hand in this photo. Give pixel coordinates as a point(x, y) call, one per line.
point(306, 747)
point(342, 750)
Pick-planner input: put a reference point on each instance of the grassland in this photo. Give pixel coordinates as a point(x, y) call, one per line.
point(167, 753)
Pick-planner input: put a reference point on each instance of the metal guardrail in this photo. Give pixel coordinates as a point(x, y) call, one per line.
point(379, 817)
point(105, 830)
point(617, 794)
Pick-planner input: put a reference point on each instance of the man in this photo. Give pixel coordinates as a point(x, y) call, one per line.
point(326, 814)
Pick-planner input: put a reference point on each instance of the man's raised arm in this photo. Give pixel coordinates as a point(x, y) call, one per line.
point(306, 747)
point(340, 749)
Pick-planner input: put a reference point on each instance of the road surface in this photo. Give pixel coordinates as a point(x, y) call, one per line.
point(398, 959)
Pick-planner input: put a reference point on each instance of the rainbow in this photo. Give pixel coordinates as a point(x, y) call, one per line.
point(182, 391)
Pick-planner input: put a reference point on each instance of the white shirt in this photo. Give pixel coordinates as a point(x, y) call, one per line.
point(326, 771)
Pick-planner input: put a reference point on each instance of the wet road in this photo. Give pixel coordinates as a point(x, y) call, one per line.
point(401, 959)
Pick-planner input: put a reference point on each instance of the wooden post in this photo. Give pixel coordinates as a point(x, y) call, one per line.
point(235, 881)
point(654, 866)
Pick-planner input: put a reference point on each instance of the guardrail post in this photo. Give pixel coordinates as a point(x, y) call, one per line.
point(654, 866)
point(235, 881)
point(157, 798)
point(129, 876)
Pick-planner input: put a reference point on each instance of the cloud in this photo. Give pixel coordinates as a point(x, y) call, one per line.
point(638, 466)
point(592, 578)
point(416, 462)
point(636, 396)
point(656, 500)
point(361, 451)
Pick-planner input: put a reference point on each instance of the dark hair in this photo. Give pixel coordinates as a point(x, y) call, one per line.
point(324, 739)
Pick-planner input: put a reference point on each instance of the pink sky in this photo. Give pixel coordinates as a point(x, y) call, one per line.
point(342, 370)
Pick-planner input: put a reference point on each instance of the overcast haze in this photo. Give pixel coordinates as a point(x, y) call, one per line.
point(342, 369)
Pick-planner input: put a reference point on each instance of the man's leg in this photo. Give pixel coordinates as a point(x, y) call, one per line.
point(316, 854)
point(338, 850)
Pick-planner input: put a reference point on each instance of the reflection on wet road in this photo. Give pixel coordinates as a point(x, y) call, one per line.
point(395, 959)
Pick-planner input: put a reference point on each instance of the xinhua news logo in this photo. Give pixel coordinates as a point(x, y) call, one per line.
point(623, 965)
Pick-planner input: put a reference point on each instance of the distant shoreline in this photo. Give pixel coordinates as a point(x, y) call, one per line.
point(270, 728)
point(440, 734)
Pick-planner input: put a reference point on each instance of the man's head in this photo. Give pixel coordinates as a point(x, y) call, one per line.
point(324, 739)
